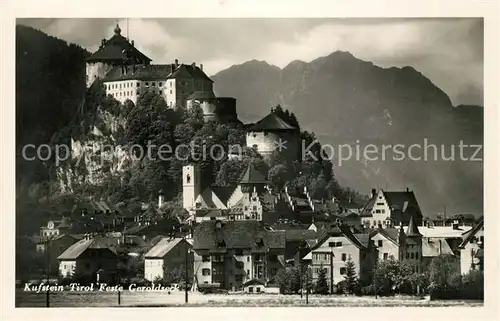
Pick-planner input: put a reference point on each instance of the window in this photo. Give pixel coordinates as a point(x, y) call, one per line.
point(248, 272)
point(386, 256)
point(416, 255)
point(339, 244)
point(154, 84)
point(343, 270)
point(407, 255)
point(246, 208)
point(138, 84)
point(331, 244)
point(381, 204)
point(147, 84)
point(257, 289)
point(248, 259)
point(383, 211)
point(254, 208)
point(120, 86)
point(379, 243)
point(205, 258)
point(250, 289)
point(170, 91)
point(344, 257)
point(377, 211)
point(160, 84)
point(205, 272)
point(411, 255)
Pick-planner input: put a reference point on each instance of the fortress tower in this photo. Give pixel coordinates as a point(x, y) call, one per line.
point(116, 51)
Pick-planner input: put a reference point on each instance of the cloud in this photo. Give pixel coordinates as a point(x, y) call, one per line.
point(448, 51)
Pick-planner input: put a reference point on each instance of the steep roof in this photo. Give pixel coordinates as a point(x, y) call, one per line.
point(209, 235)
point(412, 228)
point(252, 176)
point(432, 247)
point(189, 71)
point(272, 122)
point(300, 235)
point(75, 250)
point(140, 72)
point(392, 234)
point(117, 48)
point(163, 247)
point(399, 202)
point(361, 240)
point(472, 232)
point(223, 192)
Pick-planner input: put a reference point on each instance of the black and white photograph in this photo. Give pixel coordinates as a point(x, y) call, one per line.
point(249, 162)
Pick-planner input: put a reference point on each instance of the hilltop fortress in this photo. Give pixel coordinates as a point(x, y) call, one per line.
point(126, 73)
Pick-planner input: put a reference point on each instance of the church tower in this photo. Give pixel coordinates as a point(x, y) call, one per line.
point(191, 185)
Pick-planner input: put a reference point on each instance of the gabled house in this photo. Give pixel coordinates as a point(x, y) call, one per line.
point(335, 248)
point(89, 255)
point(230, 253)
point(167, 260)
point(388, 209)
point(472, 249)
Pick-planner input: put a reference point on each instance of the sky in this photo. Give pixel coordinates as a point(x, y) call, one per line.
point(448, 51)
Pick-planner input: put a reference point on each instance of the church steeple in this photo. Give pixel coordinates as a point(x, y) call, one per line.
point(117, 30)
point(412, 228)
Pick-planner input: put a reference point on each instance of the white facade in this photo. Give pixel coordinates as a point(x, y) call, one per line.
point(381, 213)
point(386, 247)
point(124, 90)
point(67, 268)
point(468, 253)
point(153, 269)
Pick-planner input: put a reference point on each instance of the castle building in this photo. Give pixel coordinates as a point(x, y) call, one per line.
point(271, 134)
point(127, 73)
point(221, 109)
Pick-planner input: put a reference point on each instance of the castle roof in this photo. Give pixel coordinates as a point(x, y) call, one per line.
point(253, 176)
point(118, 48)
point(272, 122)
point(155, 72)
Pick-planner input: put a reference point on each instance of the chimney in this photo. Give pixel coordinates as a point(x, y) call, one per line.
point(201, 67)
point(132, 43)
point(374, 192)
point(407, 189)
point(176, 62)
point(193, 64)
point(455, 224)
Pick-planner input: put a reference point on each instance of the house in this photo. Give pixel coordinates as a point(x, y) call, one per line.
point(389, 209)
point(254, 286)
point(472, 249)
point(87, 256)
point(335, 248)
point(167, 260)
point(55, 228)
point(230, 253)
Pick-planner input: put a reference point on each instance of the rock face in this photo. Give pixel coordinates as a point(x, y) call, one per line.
point(345, 100)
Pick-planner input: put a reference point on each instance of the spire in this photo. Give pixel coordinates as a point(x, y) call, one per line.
point(117, 30)
point(253, 176)
point(412, 228)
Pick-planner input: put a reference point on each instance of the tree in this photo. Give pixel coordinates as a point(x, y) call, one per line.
point(390, 275)
point(321, 286)
point(288, 280)
point(444, 275)
point(351, 279)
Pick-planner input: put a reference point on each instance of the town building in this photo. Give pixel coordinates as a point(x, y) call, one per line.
point(472, 249)
point(273, 134)
point(167, 260)
point(91, 255)
point(231, 253)
point(388, 209)
point(55, 228)
point(338, 246)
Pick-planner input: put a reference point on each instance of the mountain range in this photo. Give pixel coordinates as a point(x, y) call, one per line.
point(345, 100)
point(340, 98)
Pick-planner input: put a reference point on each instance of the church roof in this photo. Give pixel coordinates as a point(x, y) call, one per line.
point(253, 176)
point(272, 122)
point(118, 48)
